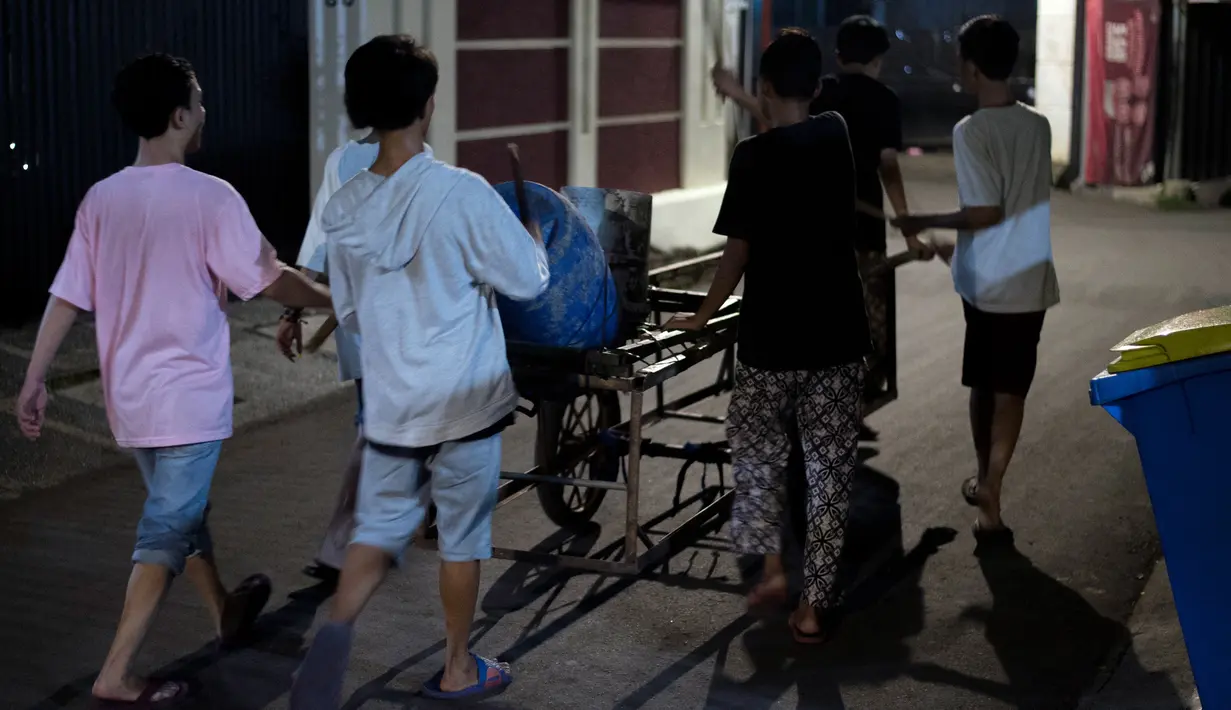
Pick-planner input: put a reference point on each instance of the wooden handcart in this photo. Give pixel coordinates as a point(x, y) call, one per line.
point(586, 448)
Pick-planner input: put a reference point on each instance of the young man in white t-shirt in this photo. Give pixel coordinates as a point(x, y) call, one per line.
point(1002, 261)
point(343, 163)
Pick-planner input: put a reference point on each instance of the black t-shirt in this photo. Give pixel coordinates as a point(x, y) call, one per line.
point(874, 117)
point(803, 300)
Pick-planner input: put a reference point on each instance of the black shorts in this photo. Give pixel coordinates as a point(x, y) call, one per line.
point(1001, 351)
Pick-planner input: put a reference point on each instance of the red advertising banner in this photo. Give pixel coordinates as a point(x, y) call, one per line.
point(1122, 67)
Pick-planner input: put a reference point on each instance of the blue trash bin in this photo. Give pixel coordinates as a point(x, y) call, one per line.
point(1171, 388)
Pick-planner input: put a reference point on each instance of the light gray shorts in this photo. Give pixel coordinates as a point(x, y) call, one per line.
point(397, 484)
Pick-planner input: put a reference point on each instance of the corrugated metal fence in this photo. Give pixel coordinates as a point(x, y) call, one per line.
point(59, 133)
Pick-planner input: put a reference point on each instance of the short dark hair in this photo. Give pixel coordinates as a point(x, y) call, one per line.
point(861, 39)
point(388, 83)
point(792, 64)
point(991, 44)
point(149, 90)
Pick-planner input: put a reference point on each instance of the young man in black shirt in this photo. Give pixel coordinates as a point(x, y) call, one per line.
point(789, 229)
point(873, 116)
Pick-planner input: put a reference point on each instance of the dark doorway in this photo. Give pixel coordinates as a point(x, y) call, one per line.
point(1205, 106)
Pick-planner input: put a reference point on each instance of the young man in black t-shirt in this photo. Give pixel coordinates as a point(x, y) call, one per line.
point(789, 230)
point(873, 116)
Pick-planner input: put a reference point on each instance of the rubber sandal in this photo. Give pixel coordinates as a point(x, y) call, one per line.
point(318, 682)
point(146, 699)
point(242, 607)
point(488, 683)
point(991, 537)
point(323, 572)
point(970, 491)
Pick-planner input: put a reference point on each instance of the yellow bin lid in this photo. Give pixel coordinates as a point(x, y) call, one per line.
point(1184, 337)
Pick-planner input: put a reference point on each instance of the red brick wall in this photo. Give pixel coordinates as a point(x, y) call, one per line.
point(500, 88)
point(507, 19)
point(497, 88)
point(636, 81)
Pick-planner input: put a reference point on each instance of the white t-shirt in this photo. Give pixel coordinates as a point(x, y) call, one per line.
point(1003, 159)
point(346, 161)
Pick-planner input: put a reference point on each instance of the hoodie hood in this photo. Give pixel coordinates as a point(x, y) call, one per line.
point(384, 219)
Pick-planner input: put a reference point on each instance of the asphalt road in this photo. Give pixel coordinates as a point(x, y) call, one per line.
point(939, 628)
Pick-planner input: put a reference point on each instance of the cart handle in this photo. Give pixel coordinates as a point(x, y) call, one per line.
point(893, 262)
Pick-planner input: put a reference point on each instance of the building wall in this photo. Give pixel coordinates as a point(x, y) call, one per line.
point(513, 86)
point(1056, 42)
point(594, 92)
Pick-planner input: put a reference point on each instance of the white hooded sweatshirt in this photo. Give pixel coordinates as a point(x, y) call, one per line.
point(413, 262)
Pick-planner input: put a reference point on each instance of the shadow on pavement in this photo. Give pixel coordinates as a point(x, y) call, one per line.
point(246, 678)
point(524, 584)
point(877, 574)
point(876, 571)
point(1048, 639)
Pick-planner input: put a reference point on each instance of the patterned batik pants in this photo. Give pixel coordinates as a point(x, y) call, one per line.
point(825, 405)
point(873, 269)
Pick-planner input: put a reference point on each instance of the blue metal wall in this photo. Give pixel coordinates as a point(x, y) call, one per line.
point(59, 134)
point(922, 65)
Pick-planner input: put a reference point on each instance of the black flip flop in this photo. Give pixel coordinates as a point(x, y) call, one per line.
point(318, 682)
point(323, 572)
point(242, 608)
point(987, 539)
point(145, 701)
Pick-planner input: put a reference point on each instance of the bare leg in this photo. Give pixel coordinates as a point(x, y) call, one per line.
point(805, 617)
point(772, 590)
point(1006, 427)
point(333, 548)
point(147, 586)
point(362, 574)
point(459, 593)
point(202, 571)
point(982, 409)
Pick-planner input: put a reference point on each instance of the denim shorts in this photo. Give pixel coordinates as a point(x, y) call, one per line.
point(173, 524)
point(396, 485)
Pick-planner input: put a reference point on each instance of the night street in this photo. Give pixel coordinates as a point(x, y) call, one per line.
point(941, 630)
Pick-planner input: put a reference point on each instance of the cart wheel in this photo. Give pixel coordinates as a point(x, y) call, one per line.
point(564, 429)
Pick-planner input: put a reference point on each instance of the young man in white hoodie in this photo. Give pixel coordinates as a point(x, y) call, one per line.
point(417, 250)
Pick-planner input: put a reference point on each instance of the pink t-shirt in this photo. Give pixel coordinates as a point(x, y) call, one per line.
point(153, 253)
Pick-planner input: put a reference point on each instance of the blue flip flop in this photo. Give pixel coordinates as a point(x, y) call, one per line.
point(489, 683)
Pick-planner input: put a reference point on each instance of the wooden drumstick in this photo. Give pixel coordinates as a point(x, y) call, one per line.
point(869, 210)
point(519, 186)
point(322, 333)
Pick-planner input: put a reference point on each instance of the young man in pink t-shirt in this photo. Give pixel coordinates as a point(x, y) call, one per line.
point(154, 251)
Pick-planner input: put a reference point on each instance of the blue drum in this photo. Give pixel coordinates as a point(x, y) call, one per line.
point(581, 307)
